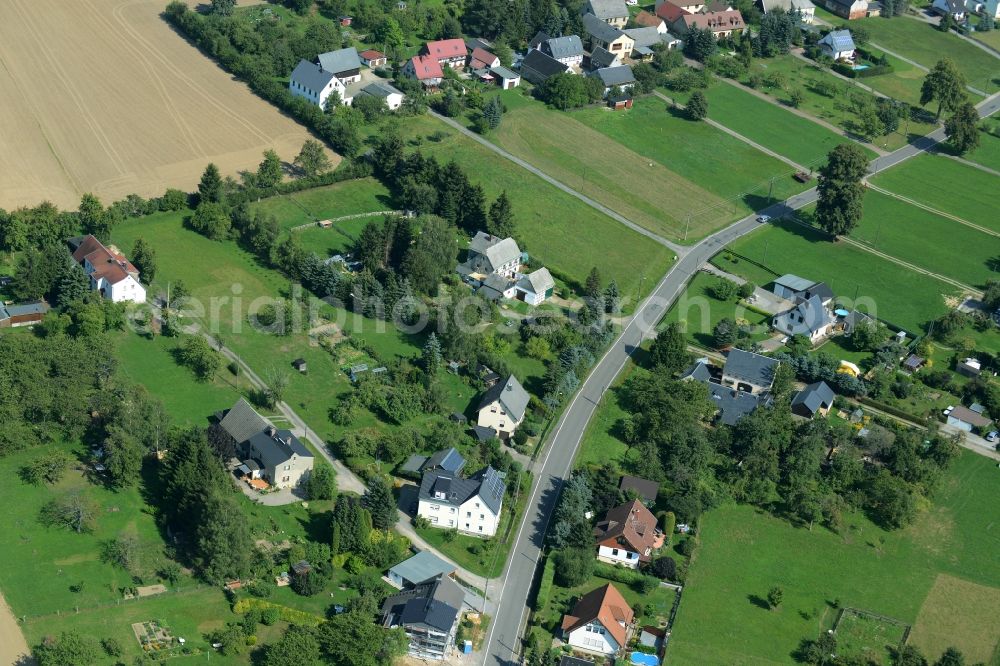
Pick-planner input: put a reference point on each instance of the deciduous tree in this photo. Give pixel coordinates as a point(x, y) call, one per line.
point(312, 159)
point(144, 259)
point(841, 193)
point(946, 84)
point(962, 128)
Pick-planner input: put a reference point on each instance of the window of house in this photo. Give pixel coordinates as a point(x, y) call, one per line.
point(480, 528)
point(467, 526)
point(614, 551)
point(435, 507)
point(451, 510)
point(451, 523)
point(482, 516)
point(468, 514)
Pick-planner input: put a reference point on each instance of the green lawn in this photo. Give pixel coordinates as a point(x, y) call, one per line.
point(564, 233)
point(798, 139)
point(348, 197)
point(600, 443)
point(924, 44)
point(338, 239)
point(835, 109)
point(988, 152)
point(991, 38)
point(903, 83)
point(927, 240)
point(698, 312)
point(903, 298)
point(948, 186)
point(744, 552)
point(654, 606)
point(723, 165)
point(603, 169)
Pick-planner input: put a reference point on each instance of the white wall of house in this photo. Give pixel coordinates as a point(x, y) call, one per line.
point(593, 638)
point(494, 416)
point(530, 297)
point(291, 473)
point(572, 61)
point(317, 97)
point(622, 556)
point(127, 290)
point(472, 517)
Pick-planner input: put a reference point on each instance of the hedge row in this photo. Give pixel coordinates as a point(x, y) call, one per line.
point(871, 70)
point(289, 615)
point(545, 584)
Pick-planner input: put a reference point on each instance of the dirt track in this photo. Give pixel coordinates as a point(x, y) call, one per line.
point(103, 96)
point(13, 648)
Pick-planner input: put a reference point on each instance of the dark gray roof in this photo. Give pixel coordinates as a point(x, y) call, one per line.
point(647, 36)
point(484, 434)
point(504, 73)
point(794, 282)
point(615, 76)
point(698, 371)
point(242, 421)
point(422, 567)
point(452, 490)
point(380, 89)
point(537, 66)
point(311, 76)
point(449, 460)
point(805, 318)
point(820, 289)
point(487, 252)
point(478, 43)
point(511, 396)
point(568, 46)
point(732, 404)
point(814, 397)
point(647, 489)
point(606, 9)
point(413, 464)
point(275, 449)
point(750, 367)
point(8, 311)
point(601, 57)
point(341, 60)
point(536, 41)
point(432, 605)
point(599, 29)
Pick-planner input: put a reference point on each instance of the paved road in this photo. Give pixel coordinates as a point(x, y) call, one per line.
point(679, 249)
point(503, 644)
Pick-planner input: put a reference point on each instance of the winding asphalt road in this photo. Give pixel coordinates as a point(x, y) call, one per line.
point(503, 644)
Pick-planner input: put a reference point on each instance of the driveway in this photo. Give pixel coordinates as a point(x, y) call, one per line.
point(13, 648)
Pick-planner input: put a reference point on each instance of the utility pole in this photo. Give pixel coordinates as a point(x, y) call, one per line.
point(770, 189)
point(687, 225)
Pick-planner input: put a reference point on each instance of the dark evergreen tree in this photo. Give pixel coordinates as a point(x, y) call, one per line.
point(841, 192)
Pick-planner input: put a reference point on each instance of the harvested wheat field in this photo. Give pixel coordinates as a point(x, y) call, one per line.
point(103, 96)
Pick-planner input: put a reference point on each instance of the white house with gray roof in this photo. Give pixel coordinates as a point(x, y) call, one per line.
point(315, 84)
point(393, 97)
point(429, 614)
point(612, 12)
point(533, 288)
point(503, 407)
point(749, 372)
point(620, 77)
point(345, 64)
point(809, 317)
point(491, 254)
point(568, 49)
point(421, 568)
point(805, 8)
point(838, 44)
point(470, 505)
point(277, 456)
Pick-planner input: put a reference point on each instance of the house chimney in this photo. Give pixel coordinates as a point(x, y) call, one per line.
point(288, 440)
point(271, 431)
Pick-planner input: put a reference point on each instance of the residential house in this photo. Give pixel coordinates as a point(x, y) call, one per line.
point(646, 19)
point(794, 288)
point(969, 367)
point(732, 404)
point(503, 407)
point(600, 622)
point(913, 364)
point(814, 399)
point(345, 64)
point(276, 456)
point(423, 567)
point(393, 97)
point(722, 23)
point(25, 314)
point(568, 50)
point(805, 8)
point(538, 67)
point(110, 273)
point(956, 8)
point(628, 535)
point(601, 34)
point(312, 82)
point(601, 58)
point(373, 59)
point(965, 419)
point(488, 255)
point(620, 77)
point(346, 21)
point(425, 69)
point(739, 398)
point(446, 460)
point(644, 39)
point(644, 488)
point(848, 9)
point(505, 78)
point(535, 287)
point(838, 44)
point(748, 371)
point(470, 505)
point(809, 318)
point(429, 614)
point(478, 43)
point(689, 6)
point(991, 7)
point(612, 12)
point(482, 59)
point(447, 52)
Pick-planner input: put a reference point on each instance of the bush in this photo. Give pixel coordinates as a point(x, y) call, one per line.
point(269, 616)
point(112, 647)
point(573, 566)
point(723, 289)
point(664, 568)
point(545, 585)
point(687, 547)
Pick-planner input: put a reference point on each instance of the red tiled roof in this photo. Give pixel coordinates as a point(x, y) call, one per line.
point(371, 54)
point(426, 67)
point(631, 525)
point(647, 20)
point(605, 604)
point(716, 21)
point(670, 12)
point(108, 264)
point(481, 58)
point(446, 49)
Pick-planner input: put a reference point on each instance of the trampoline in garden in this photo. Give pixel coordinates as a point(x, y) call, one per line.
point(643, 659)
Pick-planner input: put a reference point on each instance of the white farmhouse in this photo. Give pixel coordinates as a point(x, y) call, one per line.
point(470, 505)
point(312, 82)
point(266, 453)
point(533, 288)
point(503, 407)
point(109, 271)
point(628, 535)
point(600, 622)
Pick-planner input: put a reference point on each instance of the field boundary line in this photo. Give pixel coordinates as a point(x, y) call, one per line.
point(342, 218)
point(970, 163)
point(679, 250)
point(940, 213)
point(923, 68)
